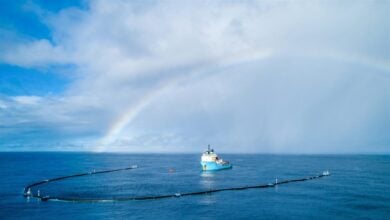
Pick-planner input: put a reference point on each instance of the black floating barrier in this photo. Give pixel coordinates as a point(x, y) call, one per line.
point(27, 190)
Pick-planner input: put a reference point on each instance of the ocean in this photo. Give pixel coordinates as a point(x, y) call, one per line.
point(358, 187)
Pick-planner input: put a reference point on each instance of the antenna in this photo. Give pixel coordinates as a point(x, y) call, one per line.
point(209, 147)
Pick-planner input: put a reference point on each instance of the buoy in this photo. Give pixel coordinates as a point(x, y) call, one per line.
point(276, 181)
point(28, 194)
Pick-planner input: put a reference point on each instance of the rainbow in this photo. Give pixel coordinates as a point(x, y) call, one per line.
point(134, 110)
point(130, 114)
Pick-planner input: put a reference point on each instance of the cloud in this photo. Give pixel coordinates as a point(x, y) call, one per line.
point(263, 75)
point(27, 100)
point(38, 53)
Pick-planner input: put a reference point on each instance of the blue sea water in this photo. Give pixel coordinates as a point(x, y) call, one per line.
point(358, 188)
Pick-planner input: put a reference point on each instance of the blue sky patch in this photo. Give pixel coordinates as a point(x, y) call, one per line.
point(17, 81)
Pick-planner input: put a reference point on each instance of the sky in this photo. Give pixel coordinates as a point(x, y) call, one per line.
point(174, 76)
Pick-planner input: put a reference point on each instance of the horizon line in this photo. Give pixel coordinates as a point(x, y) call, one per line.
point(194, 152)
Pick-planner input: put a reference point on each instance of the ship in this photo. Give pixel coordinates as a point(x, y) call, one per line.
point(211, 162)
